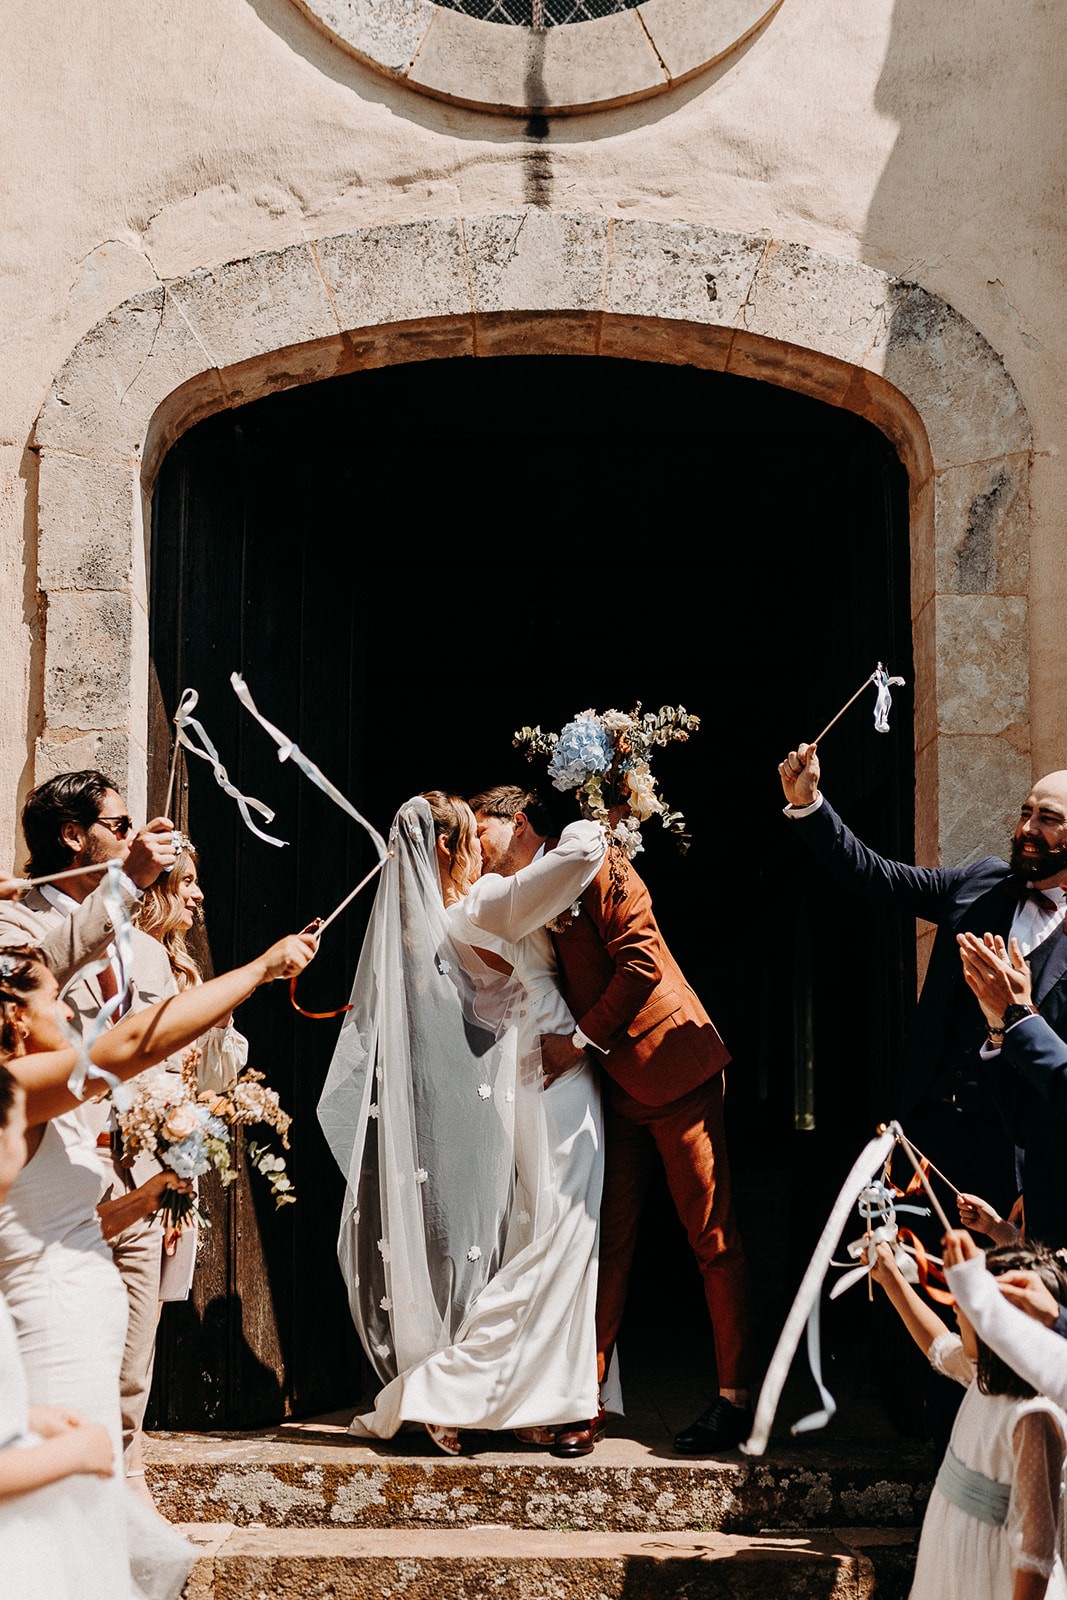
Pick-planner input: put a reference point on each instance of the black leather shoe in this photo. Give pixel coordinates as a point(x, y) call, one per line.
point(722, 1427)
point(579, 1438)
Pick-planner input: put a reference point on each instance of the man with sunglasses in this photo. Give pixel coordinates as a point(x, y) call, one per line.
point(78, 820)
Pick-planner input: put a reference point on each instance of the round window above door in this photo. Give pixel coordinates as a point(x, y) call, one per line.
point(540, 57)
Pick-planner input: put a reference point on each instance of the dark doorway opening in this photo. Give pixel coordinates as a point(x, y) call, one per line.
point(411, 563)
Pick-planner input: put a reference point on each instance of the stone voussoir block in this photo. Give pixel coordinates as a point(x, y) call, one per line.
point(408, 272)
point(387, 32)
point(256, 305)
point(689, 35)
point(822, 302)
point(536, 261)
point(531, 69)
point(84, 513)
point(687, 273)
point(104, 396)
point(970, 407)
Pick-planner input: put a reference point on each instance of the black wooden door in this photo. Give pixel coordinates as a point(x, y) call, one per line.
point(409, 564)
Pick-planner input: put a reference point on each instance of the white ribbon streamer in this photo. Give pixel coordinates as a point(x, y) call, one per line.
point(805, 1307)
point(122, 945)
point(184, 719)
point(883, 699)
point(288, 750)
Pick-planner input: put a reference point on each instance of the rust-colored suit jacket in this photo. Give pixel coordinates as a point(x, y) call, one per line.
point(630, 996)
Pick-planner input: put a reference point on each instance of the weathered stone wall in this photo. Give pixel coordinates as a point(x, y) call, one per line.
point(147, 144)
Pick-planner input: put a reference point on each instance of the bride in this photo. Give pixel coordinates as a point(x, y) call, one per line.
point(469, 1230)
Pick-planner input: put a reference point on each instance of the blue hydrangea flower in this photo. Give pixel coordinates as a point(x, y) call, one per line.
point(188, 1159)
point(584, 748)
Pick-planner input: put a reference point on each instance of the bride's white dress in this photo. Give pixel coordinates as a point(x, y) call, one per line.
point(68, 1307)
point(521, 1349)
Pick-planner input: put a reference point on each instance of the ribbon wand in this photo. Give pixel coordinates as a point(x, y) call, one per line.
point(185, 706)
point(57, 877)
point(898, 1133)
point(881, 680)
point(289, 750)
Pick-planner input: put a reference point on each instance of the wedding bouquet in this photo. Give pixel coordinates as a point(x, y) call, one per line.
point(191, 1131)
point(606, 757)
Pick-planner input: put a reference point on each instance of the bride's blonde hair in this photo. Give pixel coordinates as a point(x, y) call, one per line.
point(161, 913)
point(454, 822)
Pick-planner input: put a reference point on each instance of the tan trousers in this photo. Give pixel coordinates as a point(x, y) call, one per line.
point(138, 1254)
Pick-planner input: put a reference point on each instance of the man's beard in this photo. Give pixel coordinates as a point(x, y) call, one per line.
point(1045, 864)
point(94, 851)
point(505, 864)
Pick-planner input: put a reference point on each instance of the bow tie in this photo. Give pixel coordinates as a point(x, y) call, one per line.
point(1026, 894)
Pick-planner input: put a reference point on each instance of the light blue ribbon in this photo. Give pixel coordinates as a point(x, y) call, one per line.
point(83, 1042)
point(184, 719)
point(980, 1497)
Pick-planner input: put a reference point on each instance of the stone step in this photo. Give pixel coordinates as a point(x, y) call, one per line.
point(481, 1562)
point(292, 1478)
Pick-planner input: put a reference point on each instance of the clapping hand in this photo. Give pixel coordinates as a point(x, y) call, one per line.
point(997, 978)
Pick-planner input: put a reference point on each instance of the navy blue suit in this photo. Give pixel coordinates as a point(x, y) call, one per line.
point(946, 1094)
point(1033, 1087)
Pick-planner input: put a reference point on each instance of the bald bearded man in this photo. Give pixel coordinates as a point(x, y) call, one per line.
point(947, 1098)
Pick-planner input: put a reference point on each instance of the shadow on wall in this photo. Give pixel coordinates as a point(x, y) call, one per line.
point(977, 167)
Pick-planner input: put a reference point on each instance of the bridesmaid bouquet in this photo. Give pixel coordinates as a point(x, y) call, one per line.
point(606, 758)
point(191, 1132)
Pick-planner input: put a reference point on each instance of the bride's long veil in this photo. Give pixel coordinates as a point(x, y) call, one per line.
point(418, 1110)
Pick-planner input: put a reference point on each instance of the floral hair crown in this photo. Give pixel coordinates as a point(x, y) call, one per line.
point(605, 756)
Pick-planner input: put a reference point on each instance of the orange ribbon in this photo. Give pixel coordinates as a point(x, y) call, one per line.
point(927, 1269)
point(315, 1016)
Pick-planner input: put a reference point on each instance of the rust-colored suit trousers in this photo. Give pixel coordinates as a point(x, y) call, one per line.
point(690, 1139)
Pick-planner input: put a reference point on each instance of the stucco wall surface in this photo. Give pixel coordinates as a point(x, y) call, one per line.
point(142, 141)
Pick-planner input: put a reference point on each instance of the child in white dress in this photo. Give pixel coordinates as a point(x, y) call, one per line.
point(991, 1525)
point(51, 1460)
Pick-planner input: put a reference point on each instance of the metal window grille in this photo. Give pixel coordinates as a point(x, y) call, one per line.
point(539, 13)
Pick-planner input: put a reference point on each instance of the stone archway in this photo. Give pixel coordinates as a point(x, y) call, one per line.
point(537, 281)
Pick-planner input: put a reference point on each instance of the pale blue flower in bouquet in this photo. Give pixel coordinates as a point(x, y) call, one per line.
point(584, 748)
point(192, 1156)
point(188, 1158)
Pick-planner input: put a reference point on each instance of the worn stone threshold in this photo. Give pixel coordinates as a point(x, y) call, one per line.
point(314, 1474)
point(287, 1563)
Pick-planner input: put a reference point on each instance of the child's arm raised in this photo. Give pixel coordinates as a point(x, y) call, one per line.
point(921, 1321)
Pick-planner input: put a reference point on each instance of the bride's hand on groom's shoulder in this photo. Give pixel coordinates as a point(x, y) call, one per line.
point(558, 1056)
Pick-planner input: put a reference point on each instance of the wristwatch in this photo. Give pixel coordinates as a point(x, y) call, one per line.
point(1014, 1014)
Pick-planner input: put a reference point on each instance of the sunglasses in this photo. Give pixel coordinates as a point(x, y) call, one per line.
point(119, 826)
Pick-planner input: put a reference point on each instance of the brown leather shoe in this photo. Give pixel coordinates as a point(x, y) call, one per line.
point(579, 1438)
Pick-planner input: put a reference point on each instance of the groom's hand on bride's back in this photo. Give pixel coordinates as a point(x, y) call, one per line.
point(558, 1055)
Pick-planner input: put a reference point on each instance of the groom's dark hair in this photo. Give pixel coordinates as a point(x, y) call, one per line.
point(507, 800)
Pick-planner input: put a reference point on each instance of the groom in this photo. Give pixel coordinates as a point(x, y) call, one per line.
point(663, 1063)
